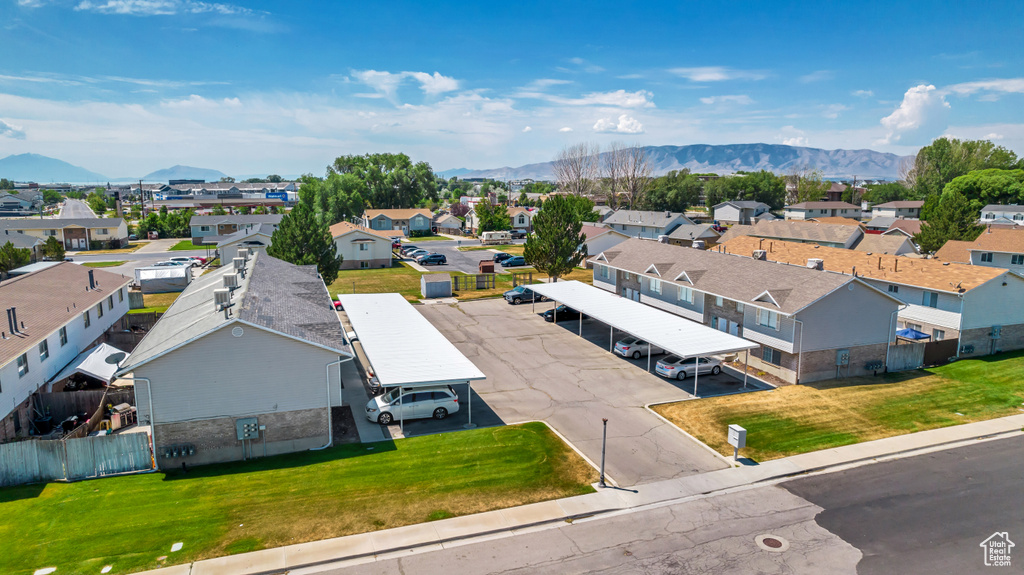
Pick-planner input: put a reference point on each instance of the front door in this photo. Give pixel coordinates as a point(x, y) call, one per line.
point(734, 328)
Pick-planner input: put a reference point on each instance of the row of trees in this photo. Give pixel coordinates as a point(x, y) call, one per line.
point(622, 173)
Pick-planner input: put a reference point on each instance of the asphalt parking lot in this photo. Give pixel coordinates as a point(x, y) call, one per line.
point(467, 262)
point(540, 371)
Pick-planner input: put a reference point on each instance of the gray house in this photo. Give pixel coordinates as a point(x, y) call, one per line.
point(640, 224)
point(792, 311)
point(739, 211)
point(245, 362)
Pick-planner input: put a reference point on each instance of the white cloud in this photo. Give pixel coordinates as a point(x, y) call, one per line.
point(863, 93)
point(618, 98)
point(741, 99)
point(922, 115)
point(30, 3)
point(994, 136)
point(817, 76)
point(9, 131)
point(791, 136)
point(832, 111)
point(992, 89)
point(716, 74)
point(160, 7)
point(387, 83)
point(196, 101)
point(541, 83)
point(583, 65)
point(625, 125)
point(565, 129)
point(527, 129)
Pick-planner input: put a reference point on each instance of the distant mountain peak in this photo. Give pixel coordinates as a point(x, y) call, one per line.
point(730, 158)
point(179, 172)
point(30, 167)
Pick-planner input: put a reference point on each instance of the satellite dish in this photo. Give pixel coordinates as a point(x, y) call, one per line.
point(116, 358)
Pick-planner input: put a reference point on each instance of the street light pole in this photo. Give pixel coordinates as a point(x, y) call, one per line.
point(604, 442)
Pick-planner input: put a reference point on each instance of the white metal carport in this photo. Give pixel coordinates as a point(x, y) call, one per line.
point(670, 332)
point(404, 348)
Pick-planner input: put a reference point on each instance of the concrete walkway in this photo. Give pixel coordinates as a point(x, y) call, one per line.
point(436, 535)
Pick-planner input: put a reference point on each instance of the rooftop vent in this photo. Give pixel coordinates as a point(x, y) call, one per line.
point(816, 264)
point(699, 245)
point(92, 280)
point(760, 255)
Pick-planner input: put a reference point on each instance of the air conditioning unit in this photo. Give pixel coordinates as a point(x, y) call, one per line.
point(239, 263)
point(231, 281)
point(816, 264)
point(221, 297)
point(760, 255)
point(699, 244)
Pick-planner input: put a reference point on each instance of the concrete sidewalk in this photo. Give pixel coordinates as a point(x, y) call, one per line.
point(424, 537)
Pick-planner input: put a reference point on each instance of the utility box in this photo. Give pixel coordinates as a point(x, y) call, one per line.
point(486, 267)
point(737, 436)
point(842, 357)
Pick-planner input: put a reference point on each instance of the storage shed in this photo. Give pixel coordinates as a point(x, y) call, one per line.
point(436, 285)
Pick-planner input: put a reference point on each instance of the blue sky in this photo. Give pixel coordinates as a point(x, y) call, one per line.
point(125, 87)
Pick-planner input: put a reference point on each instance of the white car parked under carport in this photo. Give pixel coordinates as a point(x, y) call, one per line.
point(676, 367)
point(635, 348)
point(437, 402)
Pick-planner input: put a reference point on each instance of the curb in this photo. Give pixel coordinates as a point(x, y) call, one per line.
point(707, 447)
point(608, 478)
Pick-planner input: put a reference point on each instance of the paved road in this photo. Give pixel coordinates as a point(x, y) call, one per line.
point(75, 209)
point(926, 514)
point(539, 371)
point(467, 262)
point(712, 535)
point(134, 260)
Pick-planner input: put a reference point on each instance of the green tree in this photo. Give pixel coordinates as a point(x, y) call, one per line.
point(389, 180)
point(227, 180)
point(992, 186)
point(946, 159)
point(6, 184)
point(762, 186)
point(890, 192)
point(13, 258)
point(218, 210)
point(97, 203)
point(952, 219)
point(260, 210)
point(53, 249)
point(492, 218)
point(675, 191)
point(274, 179)
point(557, 244)
point(336, 198)
point(51, 197)
point(811, 186)
point(304, 240)
point(523, 199)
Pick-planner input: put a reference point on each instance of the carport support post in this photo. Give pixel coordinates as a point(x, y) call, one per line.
point(648, 357)
point(746, 366)
point(581, 324)
point(696, 372)
point(469, 403)
point(611, 338)
point(604, 442)
point(401, 405)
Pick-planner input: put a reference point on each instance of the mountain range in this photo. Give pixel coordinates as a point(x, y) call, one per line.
point(36, 168)
point(727, 159)
point(184, 173)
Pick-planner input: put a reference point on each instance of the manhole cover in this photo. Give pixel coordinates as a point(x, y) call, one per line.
point(773, 543)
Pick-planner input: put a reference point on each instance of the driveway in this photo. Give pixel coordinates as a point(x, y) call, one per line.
point(539, 371)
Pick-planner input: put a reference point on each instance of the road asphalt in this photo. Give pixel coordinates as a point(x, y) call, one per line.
point(925, 514)
point(75, 209)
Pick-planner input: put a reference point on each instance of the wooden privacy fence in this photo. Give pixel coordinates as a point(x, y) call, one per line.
point(906, 356)
point(36, 461)
point(474, 281)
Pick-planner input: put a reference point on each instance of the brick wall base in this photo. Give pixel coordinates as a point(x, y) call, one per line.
point(215, 440)
point(819, 365)
point(1011, 337)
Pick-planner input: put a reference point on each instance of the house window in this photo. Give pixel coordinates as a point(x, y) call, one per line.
point(714, 322)
point(768, 318)
point(88, 321)
point(120, 295)
point(604, 272)
point(50, 233)
point(739, 307)
point(63, 336)
point(718, 300)
point(1018, 217)
point(930, 299)
point(685, 294)
point(102, 231)
point(44, 350)
point(364, 264)
point(655, 286)
point(1017, 259)
point(990, 216)
point(364, 247)
point(23, 365)
point(894, 289)
point(938, 334)
point(772, 356)
point(99, 310)
point(110, 302)
point(204, 228)
point(913, 326)
point(986, 257)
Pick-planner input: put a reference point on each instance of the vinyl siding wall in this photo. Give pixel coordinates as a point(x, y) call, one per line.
point(848, 318)
point(995, 304)
point(915, 295)
point(221, 375)
point(999, 260)
point(378, 254)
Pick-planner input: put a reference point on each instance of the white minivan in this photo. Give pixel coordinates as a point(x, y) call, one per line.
point(415, 403)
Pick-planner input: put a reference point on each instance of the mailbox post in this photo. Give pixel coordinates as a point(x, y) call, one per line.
point(737, 439)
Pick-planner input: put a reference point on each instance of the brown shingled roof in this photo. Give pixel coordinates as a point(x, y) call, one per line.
point(930, 274)
point(955, 251)
point(1004, 240)
point(341, 228)
point(399, 214)
point(837, 220)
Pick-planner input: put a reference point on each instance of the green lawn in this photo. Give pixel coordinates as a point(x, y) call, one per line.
point(128, 522)
point(428, 239)
point(131, 248)
point(188, 246)
point(102, 264)
point(156, 302)
point(516, 249)
point(802, 418)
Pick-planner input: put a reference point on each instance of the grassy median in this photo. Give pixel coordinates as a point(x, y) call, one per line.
point(802, 418)
point(129, 522)
point(103, 264)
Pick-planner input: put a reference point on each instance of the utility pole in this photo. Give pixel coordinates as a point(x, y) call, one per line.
point(604, 441)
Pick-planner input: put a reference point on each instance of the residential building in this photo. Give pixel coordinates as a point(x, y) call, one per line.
point(999, 248)
point(835, 220)
point(739, 212)
point(248, 239)
point(894, 244)
point(909, 228)
point(640, 224)
point(808, 210)
point(60, 311)
point(21, 201)
point(982, 306)
point(24, 241)
point(245, 362)
point(800, 231)
point(791, 311)
point(1006, 215)
point(447, 224)
point(79, 234)
point(686, 234)
point(410, 221)
point(362, 248)
point(898, 209)
point(521, 218)
point(601, 238)
point(954, 251)
point(880, 223)
point(220, 226)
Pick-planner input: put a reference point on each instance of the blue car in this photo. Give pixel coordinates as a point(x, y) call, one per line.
point(513, 262)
